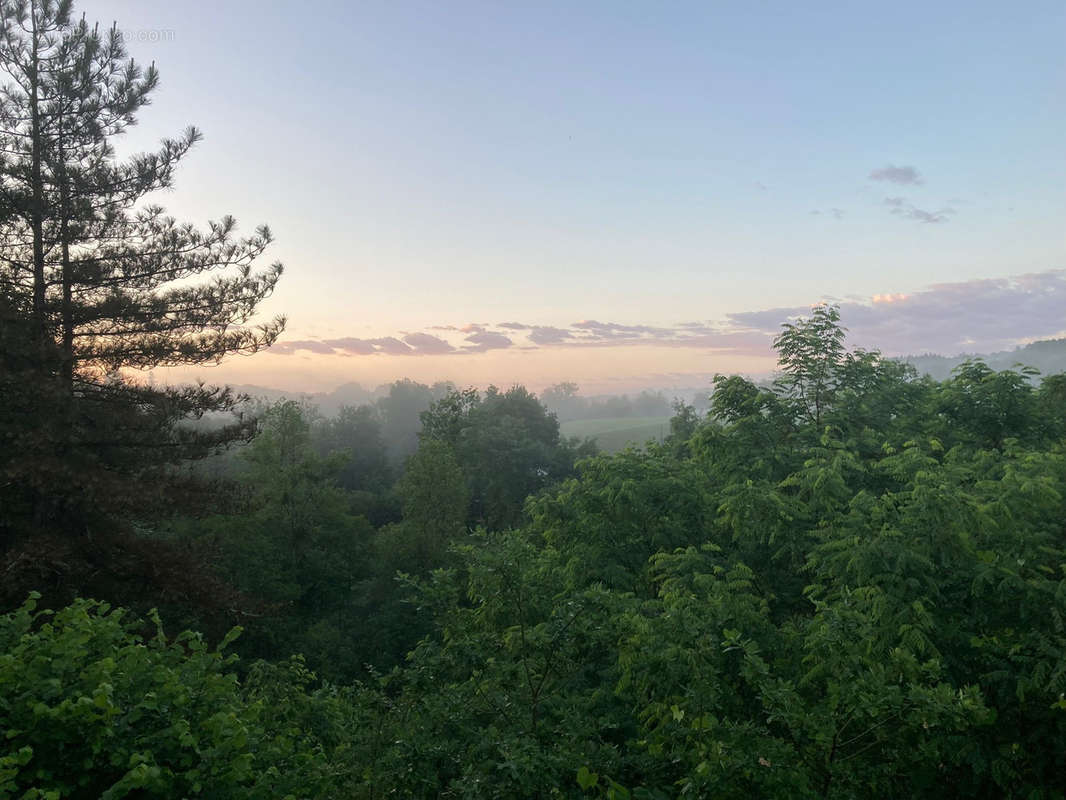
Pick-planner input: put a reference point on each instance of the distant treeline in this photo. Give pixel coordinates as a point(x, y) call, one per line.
point(1048, 356)
point(563, 399)
point(396, 400)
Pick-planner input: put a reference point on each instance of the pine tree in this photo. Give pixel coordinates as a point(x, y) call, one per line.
point(96, 280)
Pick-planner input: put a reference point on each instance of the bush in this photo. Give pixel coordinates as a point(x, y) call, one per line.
point(91, 707)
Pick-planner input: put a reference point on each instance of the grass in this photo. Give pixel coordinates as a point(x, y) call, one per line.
point(617, 433)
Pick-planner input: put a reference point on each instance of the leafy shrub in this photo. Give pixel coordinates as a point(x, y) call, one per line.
point(90, 707)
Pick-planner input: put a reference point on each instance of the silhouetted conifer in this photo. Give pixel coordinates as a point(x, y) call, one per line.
point(96, 280)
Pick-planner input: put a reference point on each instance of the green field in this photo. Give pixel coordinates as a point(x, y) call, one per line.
point(614, 434)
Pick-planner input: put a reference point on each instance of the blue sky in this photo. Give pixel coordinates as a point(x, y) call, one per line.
point(428, 166)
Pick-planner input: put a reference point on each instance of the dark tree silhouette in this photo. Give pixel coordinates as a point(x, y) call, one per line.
point(96, 280)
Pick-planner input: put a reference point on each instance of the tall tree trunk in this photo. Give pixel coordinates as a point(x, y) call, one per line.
point(43, 507)
point(40, 318)
point(67, 351)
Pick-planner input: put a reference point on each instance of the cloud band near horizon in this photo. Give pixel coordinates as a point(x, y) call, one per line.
point(981, 315)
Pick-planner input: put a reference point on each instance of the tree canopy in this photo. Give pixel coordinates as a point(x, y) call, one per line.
point(847, 582)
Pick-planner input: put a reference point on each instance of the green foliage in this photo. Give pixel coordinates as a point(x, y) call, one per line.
point(91, 707)
point(617, 513)
point(435, 501)
point(850, 583)
point(985, 408)
point(501, 699)
point(507, 445)
point(809, 353)
point(295, 549)
point(355, 432)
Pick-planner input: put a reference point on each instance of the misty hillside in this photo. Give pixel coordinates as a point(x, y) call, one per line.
point(1048, 356)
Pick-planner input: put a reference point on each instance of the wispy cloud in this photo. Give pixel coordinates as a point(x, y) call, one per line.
point(392, 346)
point(412, 344)
point(427, 344)
point(482, 340)
point(311, 346)
point(545, 334)
point(353, 346)
point(907, 176)
point(970, 316)
point(902, 207)
point(614, 330)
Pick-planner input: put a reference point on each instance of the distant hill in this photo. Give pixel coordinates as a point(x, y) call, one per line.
point(1048, 356)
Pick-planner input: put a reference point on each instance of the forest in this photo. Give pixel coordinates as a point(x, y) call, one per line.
point(848, 581)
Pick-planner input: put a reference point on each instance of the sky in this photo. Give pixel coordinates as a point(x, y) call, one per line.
point(625, 195)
